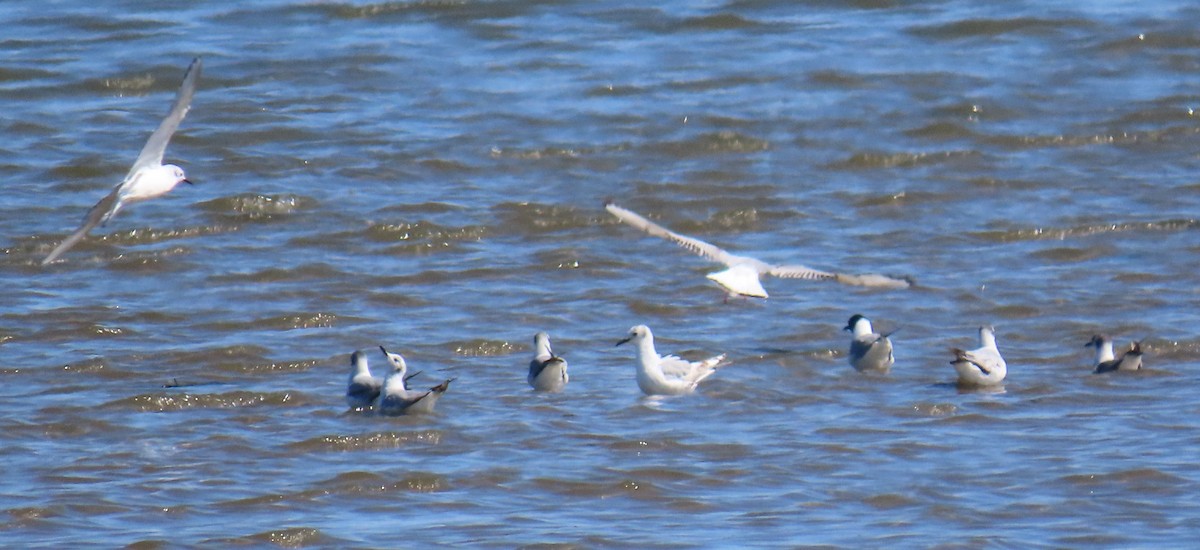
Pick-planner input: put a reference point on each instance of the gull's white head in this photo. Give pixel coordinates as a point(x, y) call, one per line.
point(397, 362)
point(541, 344)
point(859, 325)
point(177, 175)
point(987, 336)
point(637, 335)
point(358, 363)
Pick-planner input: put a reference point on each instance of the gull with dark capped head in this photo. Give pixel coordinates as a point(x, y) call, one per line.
point(547, 372)
point(741, 278)
point(395, 399)
point(869, 351)
point(149, 177)
point(666, 374)
point(1106, 361)
point(982, 366)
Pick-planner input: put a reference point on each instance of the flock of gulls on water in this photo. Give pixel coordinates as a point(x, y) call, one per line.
point(656, 374)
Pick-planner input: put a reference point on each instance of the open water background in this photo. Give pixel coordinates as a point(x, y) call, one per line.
point(430, 176)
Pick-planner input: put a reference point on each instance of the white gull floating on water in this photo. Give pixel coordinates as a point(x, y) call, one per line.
point(982, 366)
point(742, 276)
point(666, 374)
point(869, 350)
point(149, 177)
point(395, 399)
point(547, 372)
point(1106, 361)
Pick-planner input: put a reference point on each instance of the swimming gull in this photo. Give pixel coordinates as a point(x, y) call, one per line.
point(149, 177)
point(395, 399)
point(666, 374)
point(363, 388)
point(547, 372)
point(1106, 361)
point(741, 278)
point(869, 350)
point(982, 366)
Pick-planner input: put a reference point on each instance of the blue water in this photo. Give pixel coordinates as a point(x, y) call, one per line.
point(430, 176)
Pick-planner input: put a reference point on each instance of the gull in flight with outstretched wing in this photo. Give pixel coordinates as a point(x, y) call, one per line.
point(149, 177)
point(742, 276)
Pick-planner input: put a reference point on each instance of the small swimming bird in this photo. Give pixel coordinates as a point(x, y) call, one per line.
point(742, 276)
point(363, 388)
point(395, 399)
point(982, 366)
point(149, 177)
point(666, 374)
point(1107, 362)
point(547, 372)
point(869, 351)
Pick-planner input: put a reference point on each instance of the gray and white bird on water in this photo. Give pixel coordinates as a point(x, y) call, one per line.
point(363, 388)
point(869, 350)
point(982, 366)
point(742, 276)
point(149, 177)
point(395, 399)
point(666, 374)
point(547, 372)
point(1106, 361)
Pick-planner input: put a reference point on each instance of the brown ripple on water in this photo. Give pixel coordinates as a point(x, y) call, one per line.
point(1051, 233)
point(291, 537)
point(876, 160)
point(307, 272)
point(285, 322)
point(251, 206)
point(969, 28)
point(1145, 481)
point(162, 402)
point(533, 218)
point(725, 141)
point(367, 442)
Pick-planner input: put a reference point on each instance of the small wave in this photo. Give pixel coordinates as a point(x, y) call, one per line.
point(875, 160)
point(1052, 233)
point(369, 442)
point(255, 207)
point(725, 141)
point(969, 28)
point(162, 402)
point(719, 21)
point(484, 348)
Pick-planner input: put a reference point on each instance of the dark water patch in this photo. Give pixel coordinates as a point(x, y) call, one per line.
point(839, 79)
point(601, 489)
point(878, 160)
point(303, 273)
point(616, 90)
point(429, 234)
point(483, 347)
point(534, 218)
point(926, 409)
point(941, 131)
point(289, 537)
point(368, 442)
point(718, 22)
point(22, 74)
point(256, 207)
point(713, 143)
point(972, 28)
point(901, 199)
point(1139, 481)
point(163, 402)
point(561, 258)
point(723, 83)
point(1067, 254)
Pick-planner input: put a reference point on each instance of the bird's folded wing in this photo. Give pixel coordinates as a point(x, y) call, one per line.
point(697, 246)
point(152, 152)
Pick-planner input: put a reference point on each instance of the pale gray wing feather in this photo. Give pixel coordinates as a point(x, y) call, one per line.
point(800, 272)
point(99, 213)
point(152, 152)
point(697, 246)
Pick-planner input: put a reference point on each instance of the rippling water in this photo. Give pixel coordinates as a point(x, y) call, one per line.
point(430, 176)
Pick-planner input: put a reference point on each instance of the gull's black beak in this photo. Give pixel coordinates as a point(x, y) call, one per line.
point(189, 182)
point(383, 350)
point(623, 341)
